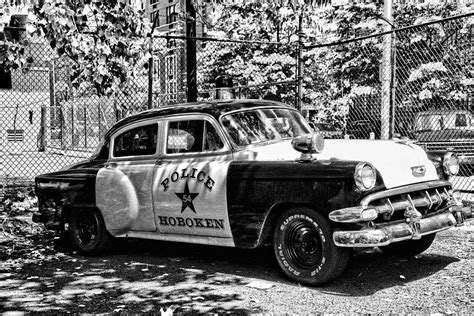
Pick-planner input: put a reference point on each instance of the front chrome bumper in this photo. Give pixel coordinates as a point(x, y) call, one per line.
point(382, 235)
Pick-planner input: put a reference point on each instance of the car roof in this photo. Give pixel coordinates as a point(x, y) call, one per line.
point(215, 108)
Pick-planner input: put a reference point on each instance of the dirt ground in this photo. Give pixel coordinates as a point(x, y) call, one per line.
point(38, 275)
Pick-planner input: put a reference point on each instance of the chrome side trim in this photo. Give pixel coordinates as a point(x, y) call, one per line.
point(205, 240)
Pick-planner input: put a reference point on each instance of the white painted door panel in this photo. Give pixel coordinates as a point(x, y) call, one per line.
point(189, 197)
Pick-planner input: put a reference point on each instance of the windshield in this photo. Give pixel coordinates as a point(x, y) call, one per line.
point(262, 125)
point(436, 122)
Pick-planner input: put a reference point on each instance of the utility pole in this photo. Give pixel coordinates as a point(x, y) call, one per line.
point(386, 69)
point(191, 67)
point(150, 74)
point(151, 66)
point(299, 72)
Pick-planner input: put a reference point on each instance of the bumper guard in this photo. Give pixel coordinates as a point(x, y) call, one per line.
point(413, 228)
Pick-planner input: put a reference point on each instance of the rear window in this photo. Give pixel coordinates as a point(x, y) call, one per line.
point(139, 141)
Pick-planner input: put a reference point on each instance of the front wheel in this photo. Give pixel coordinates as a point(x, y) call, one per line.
point(304, 247)
point(409, 248)
point(87, 232)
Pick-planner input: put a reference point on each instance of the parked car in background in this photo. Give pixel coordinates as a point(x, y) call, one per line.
point(453, 130)
point(249, 173)
point(327, 130)
point(363, 129)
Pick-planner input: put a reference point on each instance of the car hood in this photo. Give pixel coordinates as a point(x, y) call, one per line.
point(393, 160)
point(444, 135)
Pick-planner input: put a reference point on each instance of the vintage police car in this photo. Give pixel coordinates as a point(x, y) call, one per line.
point(248, 173)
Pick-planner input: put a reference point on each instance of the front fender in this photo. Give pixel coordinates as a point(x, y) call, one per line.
point(254, 189)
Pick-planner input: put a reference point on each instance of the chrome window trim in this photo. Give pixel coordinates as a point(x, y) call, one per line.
point(130, 127)
point(163, 136)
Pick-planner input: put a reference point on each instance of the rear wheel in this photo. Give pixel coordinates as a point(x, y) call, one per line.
point(409, 248)
point(304, 247)
point(87, 232)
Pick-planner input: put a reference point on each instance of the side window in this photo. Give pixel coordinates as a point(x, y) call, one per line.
point(136, 142)
point(192, 136)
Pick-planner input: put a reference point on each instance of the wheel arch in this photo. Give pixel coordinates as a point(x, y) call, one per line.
point(68, 209)
point(266, 233)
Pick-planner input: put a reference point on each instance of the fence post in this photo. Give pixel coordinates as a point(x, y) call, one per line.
point(42, 130)
point(386, 73)
point(299, 69)
point(150, 74)
point(393, 85)
point(191, 51)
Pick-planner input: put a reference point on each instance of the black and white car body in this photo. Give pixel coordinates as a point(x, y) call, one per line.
point(248, 173)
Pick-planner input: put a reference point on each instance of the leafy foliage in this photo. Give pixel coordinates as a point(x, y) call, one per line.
point(256, 65)
point(327, 71)
point(433, 58)
point(106, 41)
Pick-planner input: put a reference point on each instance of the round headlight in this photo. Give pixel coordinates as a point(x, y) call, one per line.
point(450, 164)
point(365, 176)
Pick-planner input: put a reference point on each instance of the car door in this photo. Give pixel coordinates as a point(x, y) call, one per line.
point(124, 186)
point(189, 189)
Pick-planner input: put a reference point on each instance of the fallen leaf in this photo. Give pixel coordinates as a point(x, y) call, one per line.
point(254, 301)
point(260, 285)
point(198, 298)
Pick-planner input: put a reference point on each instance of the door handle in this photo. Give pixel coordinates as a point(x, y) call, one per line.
point(161, 162)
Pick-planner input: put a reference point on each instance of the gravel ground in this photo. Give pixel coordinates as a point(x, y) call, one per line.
point(146, 276)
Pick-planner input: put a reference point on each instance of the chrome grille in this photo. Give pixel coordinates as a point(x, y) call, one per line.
point(391, 208)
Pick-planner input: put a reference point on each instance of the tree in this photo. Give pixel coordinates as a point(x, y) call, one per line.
point(434, 60)
point(106, 41)
point(261, 64)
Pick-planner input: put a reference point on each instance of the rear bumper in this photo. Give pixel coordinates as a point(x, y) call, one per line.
point(382, 235)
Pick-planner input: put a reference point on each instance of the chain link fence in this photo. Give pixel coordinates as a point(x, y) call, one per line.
point(342, 86)
point(434, 87)
point(259, 70)
point(425, 87)
point(44, 126)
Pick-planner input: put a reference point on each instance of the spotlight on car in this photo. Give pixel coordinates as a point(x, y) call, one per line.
point(308, 144)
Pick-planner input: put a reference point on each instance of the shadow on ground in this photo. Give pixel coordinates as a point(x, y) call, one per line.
point(144, 276)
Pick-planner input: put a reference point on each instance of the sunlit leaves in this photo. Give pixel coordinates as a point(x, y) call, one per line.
point(105, 41)
point(432, 59)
